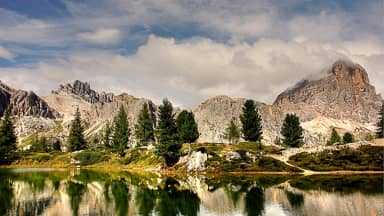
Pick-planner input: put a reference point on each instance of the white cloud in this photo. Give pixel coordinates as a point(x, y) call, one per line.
point(6, 54)
point(100, 36)
point(190, 71)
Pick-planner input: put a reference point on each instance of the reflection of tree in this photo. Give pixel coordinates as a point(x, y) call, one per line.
point(6, 194)
point(75, 192)
point(254, 201)
point(295, 200)
point(146, 201)
point(176, 202)
point(234, 194)
point(121, 194)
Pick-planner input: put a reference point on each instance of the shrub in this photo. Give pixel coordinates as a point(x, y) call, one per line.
point(89, 158)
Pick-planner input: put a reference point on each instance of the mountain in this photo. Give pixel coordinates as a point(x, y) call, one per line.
point(24, 103)
point(344, 94)
point(342, 98)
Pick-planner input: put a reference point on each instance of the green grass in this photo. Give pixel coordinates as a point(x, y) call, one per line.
point(41, 157)
point(90, 157)
point(361, 159)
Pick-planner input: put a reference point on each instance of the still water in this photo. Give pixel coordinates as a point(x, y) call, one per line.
point(75, 192)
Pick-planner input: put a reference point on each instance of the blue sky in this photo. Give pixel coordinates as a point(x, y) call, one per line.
point(186, 50)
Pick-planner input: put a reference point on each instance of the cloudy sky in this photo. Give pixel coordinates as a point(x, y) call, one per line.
point(186, 50)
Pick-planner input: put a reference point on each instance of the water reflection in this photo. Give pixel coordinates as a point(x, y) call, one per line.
point(97, 193)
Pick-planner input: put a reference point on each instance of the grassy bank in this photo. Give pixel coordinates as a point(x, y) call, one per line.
point(363, 158)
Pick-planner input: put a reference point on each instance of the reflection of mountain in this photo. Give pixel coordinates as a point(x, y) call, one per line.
point(91, 193)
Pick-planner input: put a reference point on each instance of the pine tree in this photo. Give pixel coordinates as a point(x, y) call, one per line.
point(292, 131)
point(76, 139)
point(107, 136)
point(252, 129)
point(186, 127)
point(7, 137)
point(335, 138)
point(348, 138)
point(121, 132)
point(380, 124)
point(168, 145)
point(232, 133)
point(144, 131)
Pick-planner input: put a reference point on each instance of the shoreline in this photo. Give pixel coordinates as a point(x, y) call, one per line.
point(173, 172)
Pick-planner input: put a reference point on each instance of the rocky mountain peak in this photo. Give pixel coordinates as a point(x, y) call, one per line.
point(344, 94)
point(82, 90)
point(24, 103)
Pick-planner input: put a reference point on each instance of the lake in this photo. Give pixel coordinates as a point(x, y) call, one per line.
point(82, 192)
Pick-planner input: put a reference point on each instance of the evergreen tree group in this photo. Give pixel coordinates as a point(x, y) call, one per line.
point(144, 130)
point(168, 143)
point(252, 129)
point(292, 131)
point(76, 139)
point(107, 136)
point(380, 123)
point(187, 127)
point(232, 133)
point(335, 137)
point(121, 132)
point(7, 137)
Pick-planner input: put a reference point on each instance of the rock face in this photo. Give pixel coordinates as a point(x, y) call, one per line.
point(344, 94)
point(343, 99)
point(83, 91)
point(24, 103)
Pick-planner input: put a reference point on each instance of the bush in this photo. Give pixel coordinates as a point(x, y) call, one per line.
point(348, 138)
point(41, 157)
point(89, 158)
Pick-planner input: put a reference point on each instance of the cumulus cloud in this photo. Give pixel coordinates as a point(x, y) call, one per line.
point(187, 72)
point(253, 49)
point(100, 36)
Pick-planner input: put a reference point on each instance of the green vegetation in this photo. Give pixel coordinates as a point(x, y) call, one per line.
point(121, 132)
point(144, 130)
point(292, 131)
point(187, 127)
point(348, 138)
point(107, 136)
point(232, 133)
point(295, 200)
point(380, 123)
point(168, 144)
point(76, 139)
point(335, 138)
point(252, 129)
point(89, 157)
point(7, 138)
point(41, 157)
point(363, 158)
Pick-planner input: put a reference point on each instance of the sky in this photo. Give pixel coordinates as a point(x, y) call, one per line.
point(186, 50)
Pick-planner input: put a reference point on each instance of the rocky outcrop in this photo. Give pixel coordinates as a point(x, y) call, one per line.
point(345, 93)
point(83, 91)
point(24, 103)
point(343, 99)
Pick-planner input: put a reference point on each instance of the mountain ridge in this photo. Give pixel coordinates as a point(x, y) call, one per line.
point(344, 94)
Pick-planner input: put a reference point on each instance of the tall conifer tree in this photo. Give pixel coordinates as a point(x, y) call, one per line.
point(168, 145)
point(76, 139)
point(187, 127)
point(144, 131)
point(7, 137)
point(292, 131)
point(252, 129)
point(121, 132)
